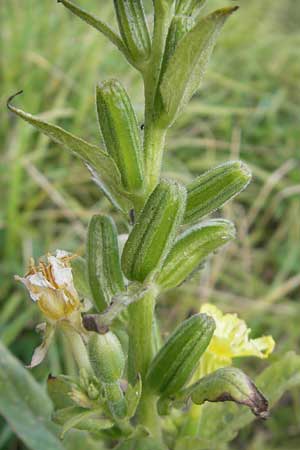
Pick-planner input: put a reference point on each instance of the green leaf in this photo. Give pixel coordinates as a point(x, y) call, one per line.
point(221, 423)
point(98, 25)
point(25, 405)
point(133, 395)
point(102, 167)
point(186, 67)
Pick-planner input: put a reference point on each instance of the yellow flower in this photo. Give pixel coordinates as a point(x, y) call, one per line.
point(51, 285)
point(230, 340)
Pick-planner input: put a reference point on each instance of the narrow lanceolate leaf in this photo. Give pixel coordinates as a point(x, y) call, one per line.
point(102, 166)
point(187, 66)
point(152, 236)
point(103, 261)
point(177, 360)
point(180, 25)
point(190, 250)
point(25, 405)
point(229, 384)
point(96, 23)
point(134, 28)
point(189, 7)
point(121, 133)
point(214, 188)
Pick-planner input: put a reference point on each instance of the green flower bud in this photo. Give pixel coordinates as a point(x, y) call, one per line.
point(121, 133)
point(103, 261)
point(191, 248)
point(177, 360)
point(106, 356)
point(229, 384)
point(214, 188)
point(152, 236)
point(134, 28)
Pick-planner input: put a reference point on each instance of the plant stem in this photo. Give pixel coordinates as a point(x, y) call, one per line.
point(141, 352)
point(154, 135)
point(77, 347)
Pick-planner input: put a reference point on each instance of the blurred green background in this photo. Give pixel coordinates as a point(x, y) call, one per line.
point(248, 108)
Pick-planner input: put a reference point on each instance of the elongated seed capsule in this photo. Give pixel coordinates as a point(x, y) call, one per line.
point(152, 236)
point(177, 360)
point(121, 133)
point(108, 362)
point(134, 28)
point(214, 188)
point(103, 261)
point(189, 7)
point(229, 384)
point(191, 248)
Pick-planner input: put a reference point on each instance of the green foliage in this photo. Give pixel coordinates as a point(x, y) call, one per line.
point(140, 312)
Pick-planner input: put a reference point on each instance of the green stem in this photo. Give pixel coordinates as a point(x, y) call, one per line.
point(141, 352)
point(154, 136)
point(77, 347)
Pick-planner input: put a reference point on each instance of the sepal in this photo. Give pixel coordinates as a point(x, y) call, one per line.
point(214, 188)
point(152, 236)
point(190, 250)
point(103, 261)
point(179, 357)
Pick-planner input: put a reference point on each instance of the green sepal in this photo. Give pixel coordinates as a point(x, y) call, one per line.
point(81, 419)
point(119, 127)
point(189, 7)
point(214, 188)
point(229, 384)
point(184, 74)
point(175, 363)
point(102, 167)
point(103, 261)
point(116, 401)
point(134, 29)
point(152, 236)
point(190, 250)
point(59, 389)
point(106, 356)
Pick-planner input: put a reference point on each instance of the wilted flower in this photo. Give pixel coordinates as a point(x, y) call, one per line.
point(230, 340)
point(50, 284)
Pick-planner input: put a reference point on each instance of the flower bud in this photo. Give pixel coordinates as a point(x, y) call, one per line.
point(214, 188)
point(177, 360)
point(106, 356)
point(134, 28)
point(103, 261)
point(152, 236)
point(229, 384)
point(121, 133)
point(190, 249)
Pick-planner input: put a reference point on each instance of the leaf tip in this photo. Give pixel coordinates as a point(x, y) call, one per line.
point(11, 98)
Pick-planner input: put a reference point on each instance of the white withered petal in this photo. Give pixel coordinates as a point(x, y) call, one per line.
point(51, 285)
